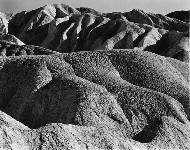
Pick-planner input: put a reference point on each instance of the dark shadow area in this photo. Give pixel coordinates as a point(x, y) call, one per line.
point(17, 23)
point(139, 38)
point(57, 102)
point(149, 132)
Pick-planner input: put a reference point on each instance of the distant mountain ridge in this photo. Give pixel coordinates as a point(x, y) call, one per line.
point(65, 29)
point(180, 15)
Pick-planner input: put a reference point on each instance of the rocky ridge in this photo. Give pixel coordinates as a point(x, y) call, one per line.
point(80, 79)
point(65, 29)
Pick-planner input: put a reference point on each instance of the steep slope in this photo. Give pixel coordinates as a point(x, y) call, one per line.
point(156, 20)
point(3, 23)
point(13, 134)
point(85, 80)
point(75, 32)
point(180, 15)
point(10, 39)
point(96, 91)
point(65, 29)
point(32, 26)
point(172, 44)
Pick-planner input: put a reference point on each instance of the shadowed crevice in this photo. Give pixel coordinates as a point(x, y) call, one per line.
point(149, 132)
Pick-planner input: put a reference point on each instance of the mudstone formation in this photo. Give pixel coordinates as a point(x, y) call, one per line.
point(78, 79)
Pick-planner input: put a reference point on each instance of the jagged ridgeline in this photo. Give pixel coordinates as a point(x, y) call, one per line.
point(78, 79)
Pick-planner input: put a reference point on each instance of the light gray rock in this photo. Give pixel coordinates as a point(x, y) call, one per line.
point(3, 23)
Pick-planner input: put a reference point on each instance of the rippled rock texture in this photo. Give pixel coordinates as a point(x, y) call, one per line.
point(81, 79)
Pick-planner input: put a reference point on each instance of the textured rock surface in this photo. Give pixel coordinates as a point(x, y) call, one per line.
point(10, 39)
point(3, 23)
point(172, 44)
point(156, 20)
point(180, 15)
point(12, 49)
point(84, 80)
point(98, 94)
point(65, 29)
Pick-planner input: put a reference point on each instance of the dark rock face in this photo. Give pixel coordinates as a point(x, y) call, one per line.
point(173, 44)
point(80, 79)
point(180, 15)
point(156, 20)
point(85, 10)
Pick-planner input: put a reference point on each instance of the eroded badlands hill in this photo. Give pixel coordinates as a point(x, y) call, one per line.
point(65, 29)
point(180, 15)
point(80, 79)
